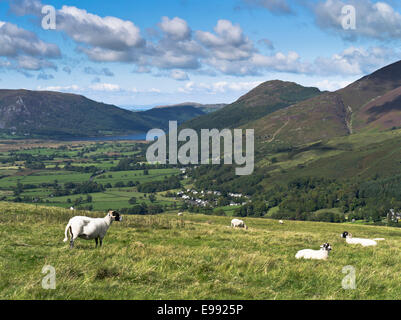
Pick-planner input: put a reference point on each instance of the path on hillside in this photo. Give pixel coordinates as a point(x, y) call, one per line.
point(278, 131)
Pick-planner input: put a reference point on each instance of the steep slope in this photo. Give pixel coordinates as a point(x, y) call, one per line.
point(264, 99)
point(318, 118)
point(369, 103)
point(382, 112)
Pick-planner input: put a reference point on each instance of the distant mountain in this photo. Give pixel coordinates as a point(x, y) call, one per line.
point(259, 102)
point(206, 108)
point(159, 117)
point(60, 115)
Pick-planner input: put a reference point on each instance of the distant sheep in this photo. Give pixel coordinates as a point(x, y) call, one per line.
point(281, 222)
point(364, 242)
point(90, 228)
point(321, 254)
point(236, 223)
point(180, 214)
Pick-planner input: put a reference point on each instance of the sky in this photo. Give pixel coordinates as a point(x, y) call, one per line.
point(135, 53)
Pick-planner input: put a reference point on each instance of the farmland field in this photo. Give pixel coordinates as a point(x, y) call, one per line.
point(191, 257)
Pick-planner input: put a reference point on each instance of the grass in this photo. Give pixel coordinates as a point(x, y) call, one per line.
point(193, 257)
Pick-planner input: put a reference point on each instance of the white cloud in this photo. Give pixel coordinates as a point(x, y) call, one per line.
point(100, 32)
point(175, 28)
point(105, 87)
point(376, 20)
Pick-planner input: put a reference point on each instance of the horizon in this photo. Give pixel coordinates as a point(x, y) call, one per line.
point(162, 54)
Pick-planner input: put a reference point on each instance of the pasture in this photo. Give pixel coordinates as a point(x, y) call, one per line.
point(191, 257)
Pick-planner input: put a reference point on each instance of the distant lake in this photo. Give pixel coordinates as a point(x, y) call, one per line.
point(132, 137)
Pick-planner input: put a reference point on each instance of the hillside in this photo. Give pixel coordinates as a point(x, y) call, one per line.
point(59, 115)
point(259, 102)
point(206, 108)
point(369, 103)
point(194, 257)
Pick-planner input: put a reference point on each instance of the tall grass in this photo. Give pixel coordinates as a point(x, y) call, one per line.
point(190, 257)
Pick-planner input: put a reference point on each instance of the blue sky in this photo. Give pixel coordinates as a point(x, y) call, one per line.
point(135, 53)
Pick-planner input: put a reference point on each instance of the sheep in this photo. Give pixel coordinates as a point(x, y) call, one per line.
point(364, 242)
point(321, 254)
point(90, 228)
point(180, 214)
point(236, 223)
point(281, 222)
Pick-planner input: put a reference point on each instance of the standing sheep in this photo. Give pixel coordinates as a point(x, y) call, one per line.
point(90, 228)
point(236, 223)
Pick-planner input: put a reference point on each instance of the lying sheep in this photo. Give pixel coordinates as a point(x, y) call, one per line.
point(236, 223)
point(321, 254)
point(180, 214)
point(364, 242)
point(90, 228)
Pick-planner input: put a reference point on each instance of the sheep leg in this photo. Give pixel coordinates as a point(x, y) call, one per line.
point(101, 241)
point(71, 243)
point(96, 240)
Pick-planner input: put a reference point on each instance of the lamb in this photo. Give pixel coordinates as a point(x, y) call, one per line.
point(364, 242)
point(90, 228)
point(321, 254)
point(236, 223)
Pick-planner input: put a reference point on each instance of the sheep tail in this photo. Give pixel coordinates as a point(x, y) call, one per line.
point(66, 232)
point(379, 239)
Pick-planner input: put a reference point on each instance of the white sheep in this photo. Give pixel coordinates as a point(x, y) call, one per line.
point(321, 254)
point(90, 228)
point(281, 222)
point(180, 214)
point(364, 242)
point(236, 223)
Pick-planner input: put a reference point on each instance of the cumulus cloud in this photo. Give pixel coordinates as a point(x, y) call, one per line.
point(105, 87)
point(15, 41)
point(377, 20)
point(355, 61)
point(218, 87)
point(175, 28)
point(100, 32)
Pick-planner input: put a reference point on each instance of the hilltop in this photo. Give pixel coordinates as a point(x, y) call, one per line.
point(259, 102)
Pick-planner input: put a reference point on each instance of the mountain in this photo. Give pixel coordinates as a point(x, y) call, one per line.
point(371, 103)
point(159, 116)
point(52, 115)
point(206, 108)
point(259, 102)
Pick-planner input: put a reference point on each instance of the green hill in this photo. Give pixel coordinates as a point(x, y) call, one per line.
point(261, 101)
point(52, 115)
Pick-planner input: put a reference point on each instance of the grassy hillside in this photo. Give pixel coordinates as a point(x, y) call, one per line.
point(196, 257)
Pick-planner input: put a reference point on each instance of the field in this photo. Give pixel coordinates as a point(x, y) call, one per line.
point(193, 257)
point(41, 168)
